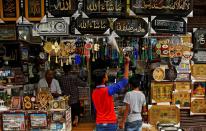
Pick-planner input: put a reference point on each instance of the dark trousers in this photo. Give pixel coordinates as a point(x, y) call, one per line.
point(75, 110)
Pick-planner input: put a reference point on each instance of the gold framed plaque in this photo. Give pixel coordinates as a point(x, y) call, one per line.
point(182, 98)
point(199, 71)
point(163, 114)
point(161, 92)
point(198, 106)
point(159, 74)
point(182, 86)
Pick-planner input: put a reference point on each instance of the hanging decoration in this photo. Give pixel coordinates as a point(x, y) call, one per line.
point(56, 49)
point(48, 49)
point(87, 49)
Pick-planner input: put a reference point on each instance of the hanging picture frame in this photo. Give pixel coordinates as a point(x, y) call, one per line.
point(198, 88)
point(11, 10)
point(198, 106)
point(198, 71)
point(164, 114)
point(182, 98)
point(161, 92)
point(34, 9)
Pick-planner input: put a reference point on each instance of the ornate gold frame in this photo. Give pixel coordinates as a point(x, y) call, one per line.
point(17, 12)
point(26, 2)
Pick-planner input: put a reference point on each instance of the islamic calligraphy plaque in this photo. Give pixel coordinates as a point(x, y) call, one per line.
point(181, 98)
point(9, 10)
point(131, 27)
point(161, 92)
point(54, 26)
point(199, 57)
point(161, 7)
point(198, 106)
point(7, 32)
point(106, 8)
point(163, 114)
point(199, 71)
point(90, 26)
point(200, 39)
point(172, 25)
point(34, 9)
point(63, 8)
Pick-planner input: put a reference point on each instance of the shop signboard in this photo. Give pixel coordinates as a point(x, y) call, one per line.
point(200, 39)
point(53, 27)
point(97, 26)
point(7, 32)
point(63, 8)
point(172, 25)
point(9, 10)
point(161, 7)
point(131, 27)
point(34, 10)
point(105, 8)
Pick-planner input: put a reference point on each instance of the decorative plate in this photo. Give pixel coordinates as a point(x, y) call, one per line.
point(159, 74)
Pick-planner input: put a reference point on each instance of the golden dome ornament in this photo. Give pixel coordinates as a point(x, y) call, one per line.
point(56, 49)
point(48, 49)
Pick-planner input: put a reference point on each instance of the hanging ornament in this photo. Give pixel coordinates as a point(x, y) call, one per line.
point(48, 49)
point(70, 48)
point(56, 49)
point(87, 49)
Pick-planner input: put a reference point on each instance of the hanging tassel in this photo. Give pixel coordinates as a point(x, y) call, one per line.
point(56, 59)
point(49, 58)
point(61, 63)
point(67, 62)
point(70, 60)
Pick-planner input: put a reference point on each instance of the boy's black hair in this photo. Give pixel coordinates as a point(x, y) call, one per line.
point(98, 76)
point(135, 81)
point(67, 68)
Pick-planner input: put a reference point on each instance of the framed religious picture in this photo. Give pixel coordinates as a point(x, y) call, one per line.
point(7, 32)
point(16, 102)
point(198, 71)
point(38, 120)
point(182, 98)
point(13, 121)
point(198, 106)
point(163, 114)
point(182, 86)
point(34, 9)
point(24, 32)
point(10, 11)
point(200, 39)
point(198, 88)
point(161, 92)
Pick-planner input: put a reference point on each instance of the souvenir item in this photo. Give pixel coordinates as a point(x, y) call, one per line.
point(159, 74)
point(183, 77)
point(199, 71)
point(48, 49)
point(87, 49)
point(171, 73)
point(13, 121)
point(182, 86)
point(163, 114)
point(181, 98)
point(56, 49)
point(183, 68)
point(161, 92)
point(58, 116)
point(16, 102)
point(198, 89)
point(38, 120)
point(27, 103)
point(198, 106)
point(43, 98)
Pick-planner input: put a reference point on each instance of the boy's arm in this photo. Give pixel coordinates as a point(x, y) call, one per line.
point(121, 84)
point(126, 112)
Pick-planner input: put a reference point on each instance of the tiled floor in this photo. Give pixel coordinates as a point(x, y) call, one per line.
point(84, 127)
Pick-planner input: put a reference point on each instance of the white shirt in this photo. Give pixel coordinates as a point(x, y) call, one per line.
point(55, 87)
point(136, 100)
